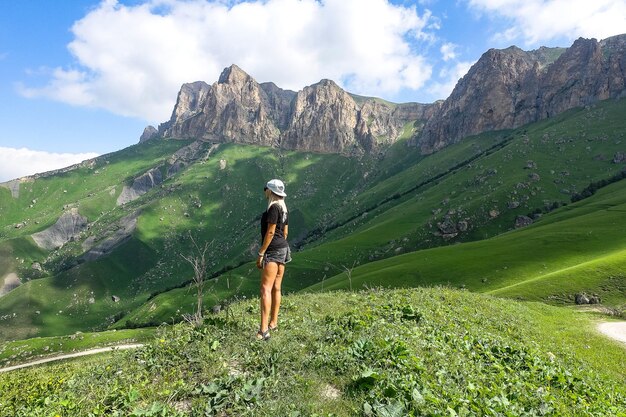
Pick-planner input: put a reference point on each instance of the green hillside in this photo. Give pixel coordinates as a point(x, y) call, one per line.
point(577, 249)
point(437, 352)
point(400, 211)
point(217, 199)
point(389, 209)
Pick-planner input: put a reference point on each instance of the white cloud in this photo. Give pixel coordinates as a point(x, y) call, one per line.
point(448, 51)
point(132, 60)
point(16, 163)
point(450, 76)
point(537, 21)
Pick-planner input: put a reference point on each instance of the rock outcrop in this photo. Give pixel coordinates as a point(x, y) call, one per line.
point(323, 119)
point(509, 88)
point(150, 132)
point(320, 118)
point(155, 176)
point(8, 283)
point(140, 186)
point(13, 186)
point(67, 228)
point(123, 230)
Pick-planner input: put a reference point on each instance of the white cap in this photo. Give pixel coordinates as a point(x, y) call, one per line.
point(277, 187)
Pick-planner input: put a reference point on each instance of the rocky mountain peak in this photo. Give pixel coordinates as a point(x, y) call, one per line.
point(504, 89)
point(148, 133)
point(233, 75)
point(614, 43)
point(320, 118)
point(509, 88)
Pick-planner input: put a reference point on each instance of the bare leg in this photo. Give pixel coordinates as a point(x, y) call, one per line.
point(268, 277)
point(276, 296)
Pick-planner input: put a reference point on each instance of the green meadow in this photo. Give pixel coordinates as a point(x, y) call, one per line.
point(576, 249)
point(387, 235)
point(410, 352)
point(394, 220)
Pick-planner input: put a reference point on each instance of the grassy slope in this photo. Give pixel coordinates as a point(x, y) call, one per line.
point(343, 211)
point(564, 151)
point(206, 201)
point(579, 248)
point(94, 189)
point(53, 304)
point(408, 196)
point(378, 353)
point(17, 351)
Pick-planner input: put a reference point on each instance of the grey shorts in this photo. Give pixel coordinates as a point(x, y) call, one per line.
point(280, 256)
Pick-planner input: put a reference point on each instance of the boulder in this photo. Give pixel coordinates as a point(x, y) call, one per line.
point(530, 165)
point(523, 221)
point(581, 299)
point(447, 227)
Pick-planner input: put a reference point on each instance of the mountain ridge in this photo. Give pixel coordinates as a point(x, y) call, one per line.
point(141, 204)
point(509, 88)
point(504, 89)
point(321, 117)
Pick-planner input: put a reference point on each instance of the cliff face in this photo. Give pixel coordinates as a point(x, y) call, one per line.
point(319, 118)
point(509, 88)
point(505, 89)
point(235, 109)
point(323, 119)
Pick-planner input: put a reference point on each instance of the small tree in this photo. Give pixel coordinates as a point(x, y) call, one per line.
point(198, 262)
point(348, 272)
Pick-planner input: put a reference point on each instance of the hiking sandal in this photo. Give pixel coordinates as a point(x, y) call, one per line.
point(263, 335)
point(273, 328)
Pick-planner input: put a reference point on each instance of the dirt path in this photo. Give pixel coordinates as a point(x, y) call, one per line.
point(71, 355)
point(614, 329)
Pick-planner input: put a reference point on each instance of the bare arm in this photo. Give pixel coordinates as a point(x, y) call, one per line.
point(269, 235)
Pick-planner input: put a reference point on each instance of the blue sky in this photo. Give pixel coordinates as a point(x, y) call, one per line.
point(84, 77)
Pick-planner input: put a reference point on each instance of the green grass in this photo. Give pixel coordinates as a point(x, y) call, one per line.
point(398, 212)
point(204, 201)
point(15, 352)
point(344, 212)
point(576, 249)
point(375, 353)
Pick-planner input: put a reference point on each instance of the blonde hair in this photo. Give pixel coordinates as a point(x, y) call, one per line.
point(280, 201)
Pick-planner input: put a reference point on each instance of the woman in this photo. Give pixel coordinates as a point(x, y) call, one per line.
point(273, 255)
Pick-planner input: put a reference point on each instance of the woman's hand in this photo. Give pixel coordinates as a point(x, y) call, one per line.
point(259, 262)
